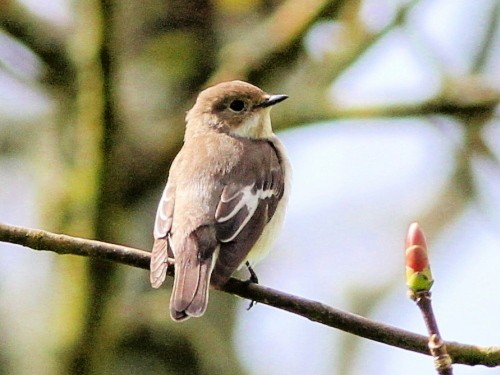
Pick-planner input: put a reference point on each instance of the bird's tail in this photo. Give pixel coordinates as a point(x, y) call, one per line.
point(193, 267)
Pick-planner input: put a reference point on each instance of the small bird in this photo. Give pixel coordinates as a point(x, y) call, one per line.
point(225, 197)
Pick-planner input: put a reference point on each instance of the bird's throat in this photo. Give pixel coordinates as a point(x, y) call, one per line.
point(257, 126)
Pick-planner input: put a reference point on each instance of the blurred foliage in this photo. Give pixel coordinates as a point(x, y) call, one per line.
point(121, 75)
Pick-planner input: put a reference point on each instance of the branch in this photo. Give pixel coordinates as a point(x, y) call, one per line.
point(312, 310)
point(277, 33)
point(487, 44)
point(43, 39)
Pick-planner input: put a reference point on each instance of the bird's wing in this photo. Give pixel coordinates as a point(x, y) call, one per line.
point(239, 203)
point(163, 225)
point(247, 204)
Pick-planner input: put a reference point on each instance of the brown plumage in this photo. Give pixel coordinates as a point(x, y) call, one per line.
point(225, 196)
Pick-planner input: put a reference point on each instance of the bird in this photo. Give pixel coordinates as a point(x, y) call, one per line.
point(225, 197)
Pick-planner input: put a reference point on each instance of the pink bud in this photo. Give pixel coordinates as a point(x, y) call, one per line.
point(415, 237)
point(418, 271)
point(416, 258)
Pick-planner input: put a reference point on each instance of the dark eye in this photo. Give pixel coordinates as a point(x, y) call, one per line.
point(237, 105)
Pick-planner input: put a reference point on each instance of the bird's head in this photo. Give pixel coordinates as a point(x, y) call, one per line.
point(237, 108)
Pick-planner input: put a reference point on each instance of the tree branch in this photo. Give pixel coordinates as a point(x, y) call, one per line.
point(238, 59)
point(43, 39)
point(312, 310)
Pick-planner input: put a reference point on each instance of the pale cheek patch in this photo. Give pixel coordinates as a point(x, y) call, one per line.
point(258, 125)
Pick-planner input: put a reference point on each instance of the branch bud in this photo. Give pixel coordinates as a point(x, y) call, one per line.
point(418, 271)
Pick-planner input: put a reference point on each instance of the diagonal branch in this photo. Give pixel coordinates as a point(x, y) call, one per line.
point(277, 33)
point(45, 40)
point(312, 310)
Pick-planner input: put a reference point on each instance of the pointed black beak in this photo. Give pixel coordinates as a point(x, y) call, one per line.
point(272, 100)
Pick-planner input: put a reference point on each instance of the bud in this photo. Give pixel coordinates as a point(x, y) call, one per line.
point(418, 271)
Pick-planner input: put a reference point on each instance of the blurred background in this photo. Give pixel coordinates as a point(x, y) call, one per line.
point(392, 118)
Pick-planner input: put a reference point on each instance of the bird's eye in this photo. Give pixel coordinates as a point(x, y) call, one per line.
point(237, 105)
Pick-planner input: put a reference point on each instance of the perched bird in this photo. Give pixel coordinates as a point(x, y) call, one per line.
point(225, 198)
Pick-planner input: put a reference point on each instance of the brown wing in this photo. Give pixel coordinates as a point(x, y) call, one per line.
point(161, 248)
point(247, 204)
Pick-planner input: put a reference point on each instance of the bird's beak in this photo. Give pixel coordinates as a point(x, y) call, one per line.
point(272, 100)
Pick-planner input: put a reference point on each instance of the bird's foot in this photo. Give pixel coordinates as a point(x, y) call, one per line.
point(252, 279)
point(253, 276)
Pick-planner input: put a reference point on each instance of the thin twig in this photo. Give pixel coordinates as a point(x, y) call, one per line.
point(419, 281)
point(436, 345)
point(312, 310)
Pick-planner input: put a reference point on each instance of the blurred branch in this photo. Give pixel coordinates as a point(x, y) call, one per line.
point(481, 102)
point(488, 40)
point(452, 106)
point(312, 310)
point(279, 31)
point(41, 38)
point(314, 78)
point(464, 97)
